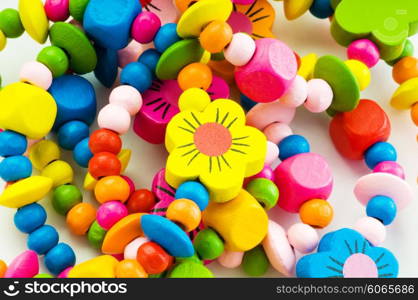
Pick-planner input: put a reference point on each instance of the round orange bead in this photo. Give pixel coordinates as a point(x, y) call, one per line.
point(185, 212)
point(182, 5)
point(130, 268)
point(195, 75)
point(316, 212)
point(80, 218)
point(3, 268)
point(111, 188)
point(405, 69)
point(414, 113)
point(216, 36)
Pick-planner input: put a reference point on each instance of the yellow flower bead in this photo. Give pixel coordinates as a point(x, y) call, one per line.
point(307, 65)
point(3, 40)
point(59, 171)
point(194, 99)
point(42, 153)
point(360, 71)
point(34, 20)
point(406, 95)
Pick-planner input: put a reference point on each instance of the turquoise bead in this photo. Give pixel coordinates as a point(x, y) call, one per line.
point(382, 208)
point(30, 217)
point(379, 152)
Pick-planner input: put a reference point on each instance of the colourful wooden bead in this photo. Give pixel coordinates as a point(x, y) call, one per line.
point(265, 191)
point(302, 237)
point(317, 213)
point(273, 64)
point(59, 258)
point(80, 217)
point(104, 164)
point(71, 133)
point(354, 132)
point(104, 140)
point(128, 97)
point(193, 98)
point(321, 9)
point(360, 71)
point(82, 153)
point(307, 66)
point(43, 153)
point(3, 268)
point(13, 168)
point(276, 132)
point(57, 10)
point(382, 208)
point(319, 97)
point(65, 197)
point(383, 184)
point(195, 75)
point(96, 235)
point(106, 69)
point(406, 95)
point(110, 212)
point(190, 269)
point(55, 59)
point(59, 171)
point(153, 258)
point(255, 262)
point(266, 173)
point(379, 152)
point(25, 265)
point(163, 191)
point(264, 114)
point(230, 259)
point(194, 191)
point(77, 8)
point(294, 9)
point(34, 20)
point(296, 94)
point(145, 27)
point(30, 217)
point(405, 69)
point(365, 51)
point(271, 154)
point(130, 268)
point(301, 178)
point(278, 250)
point(42, 239)
point(131, 249)
point(150, 58)
point(166, 36)
point(414, 114)
point(372, 229)
point(37, 74)
point(103, 266)
point(208, 244)
point(185, 213)
point(293, 145)
point(10, 23)
point(111, 188)
point(408, 50)
point(106, 119)
point(141, 200)
point(3, 40)
point(241, 222)
point(391, 167)
point(216, 36)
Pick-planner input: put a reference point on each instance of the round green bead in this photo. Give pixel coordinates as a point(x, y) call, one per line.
point(255, 262)
point(65, 197)
point(408, 50)
point(43, 275)
point(265, 191)
point(10, 23)
point(96, 235)
point(77, 8)
point(208, 244)
point(190, 269)
point(193, 258)
point(55, 59)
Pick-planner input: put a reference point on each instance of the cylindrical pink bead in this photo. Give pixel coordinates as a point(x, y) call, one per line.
point(127, 97)
point(277, 131)
point(303, 237)
point(37, 74)
point(240, 50)
point(365, 51)
point(130, 183)
point(319, 96)
point(57, 10)
point(391, 167)
point(272, 153)
point(110, 212)
point(114, 117)
point(372, 229)
point(145, 27)
point(296, 94)
point(231, 259)
point(264, 114)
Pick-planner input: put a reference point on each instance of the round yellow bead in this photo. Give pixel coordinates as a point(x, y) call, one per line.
point(360, 71)
point(42, 153)
point(307, 65)
point(406, 95)
point(193, 99)
point(59, 171)
point(3, 40)
point(34, 20)
point(295, 8)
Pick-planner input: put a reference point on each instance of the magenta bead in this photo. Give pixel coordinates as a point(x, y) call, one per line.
point(130, 183)
point(64, 274)
point(391, 167)
point(118, 256)
point(25, 265)
point(57, 10)
point(110, 212)
point(365, 51)
point(145, 27)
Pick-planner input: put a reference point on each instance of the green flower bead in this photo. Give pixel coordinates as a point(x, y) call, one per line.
point(208, 244)
point(96, 235)
point(43, 275)
point(55, 59)
point(77, 8)
point(265, 191)
point(190, 270)
point(255, 262)
point(10, 23)
point(65, 197)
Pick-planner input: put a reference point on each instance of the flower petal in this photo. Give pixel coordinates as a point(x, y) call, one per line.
point(386, 263)
point(319, 265)
point(180, 129)
point(225, 112)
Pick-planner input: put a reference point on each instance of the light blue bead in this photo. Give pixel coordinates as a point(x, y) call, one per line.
point(381, 151)
point(106, 69)
point(30, 217)
point(82, 153)
point(166, 36)
point(13, 168)
point(246, 102)
point(71, 133)
point(137, 75)
point(43, 239)
point(167, 234)
point(12, 143)
point(150, 58)
point(194, 191)
point(292, 145)
point(382, 208)
point(59, 258)
point(321, 9)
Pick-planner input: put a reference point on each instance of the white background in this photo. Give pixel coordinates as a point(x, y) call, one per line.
point(305, 35)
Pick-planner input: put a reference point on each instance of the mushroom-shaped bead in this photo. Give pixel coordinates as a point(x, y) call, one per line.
point(319, 96)
point(372, 229)
point(37, 74)
point(106, 118)
point(127, 97)
point(303, 237)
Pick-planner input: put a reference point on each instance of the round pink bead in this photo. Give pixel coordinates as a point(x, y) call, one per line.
point(37, 74)
point(268, 75)
point(132, 248)
point(130, 183)
point(240, 50)
point(25, 265)
point(296, 94)
point(391, 167)
point(145, 27)
point(114, 117)
point(277, 131)
point(110, 212)
point(64, 274)
point(319, 96)
point(272, 153)
point(57, 10)
point(127, 97)
point(372, 229)
point(230, 259)
point(303, 237)
point(266, 172)
point(365, 51)
point(263, 114)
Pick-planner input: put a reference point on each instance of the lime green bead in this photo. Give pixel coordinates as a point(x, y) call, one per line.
point(208, 244)
point(96, 235)
point(265, 191)
point(65, 197)
point(255, 262)
point(193, 258)
point(77, 8)
point(10, 23)
point(408, 50)
point(43, 275)
point(55, 59)
point(190, 270)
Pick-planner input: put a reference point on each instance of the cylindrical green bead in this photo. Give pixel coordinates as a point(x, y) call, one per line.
point(255, 262)
point(10, 23)
point(96, 235)
point(265, 191)
point(65, 197)
point(55, 59)
point(77, 8)
point(190, 270)
point(208, 244)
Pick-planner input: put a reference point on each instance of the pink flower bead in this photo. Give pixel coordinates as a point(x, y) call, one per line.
point(110, 212)
point(319, 96)
point(127, 97)
point(296, 94)
point(372, 229)
point(57, 10)
point(391, 167)
point(37, 74)
point(230, 259)
point(145, 27)
point(272, 153)
point(240, 50)
point(132, 248)
point(277, 131)
point(130, 183)
point(303, 237)
point(365, 51)
point(64, 274)
point(114, 117)
point(263, 114)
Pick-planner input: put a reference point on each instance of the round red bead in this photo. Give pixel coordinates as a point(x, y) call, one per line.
point(153, 258)
point(104, 164)
point(142, 200)
point(105, 140)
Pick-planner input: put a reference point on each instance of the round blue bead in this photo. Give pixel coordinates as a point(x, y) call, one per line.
point(382, 208)
point(246, 102)
point(43, 239)
point(166, 36)
point(194, 191)
point(292, 145)
point(137, 75)
point(59, 258)
point(71, 133)
point(30, 217)
point(15, 167)
point(321, 9)
point(12, 143)
point(381, 151)
point(150, 58)
point(82, 153)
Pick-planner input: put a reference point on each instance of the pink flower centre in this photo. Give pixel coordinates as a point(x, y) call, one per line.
point(240, 23)
point(212, 139)
point(360, 265)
